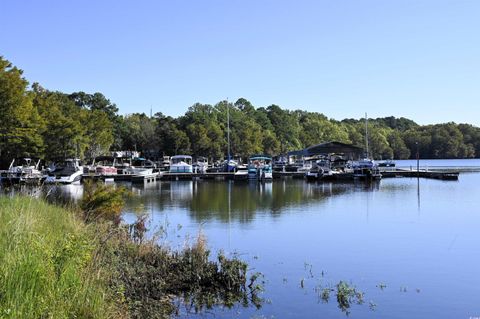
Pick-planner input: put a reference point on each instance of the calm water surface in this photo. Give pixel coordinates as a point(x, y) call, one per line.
point(420, 238)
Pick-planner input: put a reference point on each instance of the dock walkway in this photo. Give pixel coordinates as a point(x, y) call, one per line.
point(423, 173)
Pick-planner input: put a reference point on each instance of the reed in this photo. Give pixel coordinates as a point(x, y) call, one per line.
point(46, 267)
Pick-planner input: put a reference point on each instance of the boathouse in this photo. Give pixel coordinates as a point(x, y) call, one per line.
point(350, 152)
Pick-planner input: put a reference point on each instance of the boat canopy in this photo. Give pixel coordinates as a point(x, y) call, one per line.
point(260, 157)
point(181, 156)
point(335, 148)
point(350, 151)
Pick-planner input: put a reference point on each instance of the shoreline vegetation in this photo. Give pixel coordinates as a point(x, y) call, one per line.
point(36, 122)
point(82, 262)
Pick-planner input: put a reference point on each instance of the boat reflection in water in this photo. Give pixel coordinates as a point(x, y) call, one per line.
point(227, 200)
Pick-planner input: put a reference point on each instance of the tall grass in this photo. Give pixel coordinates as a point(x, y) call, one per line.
point(46, 268)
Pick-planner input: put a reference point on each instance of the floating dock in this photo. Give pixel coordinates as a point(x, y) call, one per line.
point(166, 176)
point(433, 174)
point(441, 174)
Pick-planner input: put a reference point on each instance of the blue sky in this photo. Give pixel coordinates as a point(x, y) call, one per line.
point(417, 59)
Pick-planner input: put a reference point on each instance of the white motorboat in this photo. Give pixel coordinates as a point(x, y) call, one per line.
point(241, 173)
point(140, 166)
point(181, 164)
point(201, 165)
point(69, 171)
point(165, 163)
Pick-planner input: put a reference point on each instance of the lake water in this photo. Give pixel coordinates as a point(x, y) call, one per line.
point(411, 245)
point(418, 238)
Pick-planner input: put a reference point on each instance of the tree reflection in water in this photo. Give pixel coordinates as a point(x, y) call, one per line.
point(239, 201)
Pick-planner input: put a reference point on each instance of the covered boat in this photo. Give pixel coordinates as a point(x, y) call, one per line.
point(181, 164)
point(260, 168)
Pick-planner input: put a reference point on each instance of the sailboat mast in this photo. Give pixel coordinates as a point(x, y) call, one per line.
point(366, 133)
point(228, 130)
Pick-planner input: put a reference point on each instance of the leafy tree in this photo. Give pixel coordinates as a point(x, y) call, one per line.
point(471, 137)
point(286, 127)
point(400, 150)
point(378, 143)
point(401, 124)
point(418, 140)
point(99, 133)
point(206, 134)
point(139, 134)
point(95, 102)
point(20, 124)
point(64, 135)
point(316, 128)
point(171, 140)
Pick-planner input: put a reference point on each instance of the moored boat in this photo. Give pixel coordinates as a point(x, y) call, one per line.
point(387, 163)
point(366, 169)
point(69, 171)
point(181, 164)
point(260, 168)
point(105, 165)
point(140, 166)
point(25, 173)
point(201, 164)
point(241, 173)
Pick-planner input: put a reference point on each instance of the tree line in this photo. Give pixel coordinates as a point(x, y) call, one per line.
point(36, 122)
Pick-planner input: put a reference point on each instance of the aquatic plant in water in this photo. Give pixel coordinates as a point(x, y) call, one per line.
point(346, 295)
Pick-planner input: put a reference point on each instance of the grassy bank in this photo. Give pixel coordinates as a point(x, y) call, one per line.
point(81, 263)
point(46, 268)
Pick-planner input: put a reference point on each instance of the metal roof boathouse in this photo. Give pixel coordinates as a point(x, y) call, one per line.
point(351, 152)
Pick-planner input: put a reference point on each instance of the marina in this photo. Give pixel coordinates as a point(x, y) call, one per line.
point(330, 161)
point(446, 174)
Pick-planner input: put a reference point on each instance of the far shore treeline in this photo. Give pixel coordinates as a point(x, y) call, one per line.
point(39, 123)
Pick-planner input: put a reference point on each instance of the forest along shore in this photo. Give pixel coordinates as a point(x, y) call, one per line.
point(36, 122)
point(69, 262)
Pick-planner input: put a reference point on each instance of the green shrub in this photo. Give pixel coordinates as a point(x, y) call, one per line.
point(101, 201)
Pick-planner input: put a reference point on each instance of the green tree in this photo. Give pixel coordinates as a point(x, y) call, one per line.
point(99, 133)
point(471, 138)
point(20, 124)
point(286, 127)
point(139, 134)
point(316, 128)
point(64, 135)
point(400, 150)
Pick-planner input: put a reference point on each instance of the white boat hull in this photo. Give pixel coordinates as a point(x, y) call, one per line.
point(75, 178)
point(139, 171)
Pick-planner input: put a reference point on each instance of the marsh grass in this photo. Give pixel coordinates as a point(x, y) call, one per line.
point(80, 262)
point(157, 282)
point(46, 268)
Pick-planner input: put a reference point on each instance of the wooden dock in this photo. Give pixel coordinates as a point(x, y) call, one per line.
point(167, 176)
point(451, 175)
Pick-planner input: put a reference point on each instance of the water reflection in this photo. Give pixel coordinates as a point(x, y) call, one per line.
point(226, 200)
point(418, 194)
